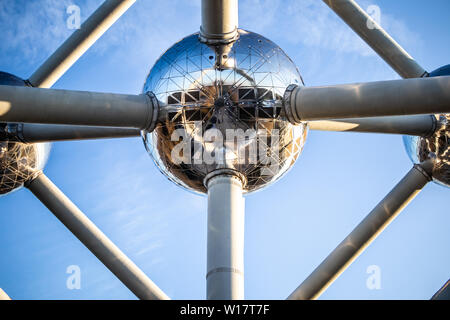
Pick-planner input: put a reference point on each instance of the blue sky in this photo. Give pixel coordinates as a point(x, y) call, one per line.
point(290, 227)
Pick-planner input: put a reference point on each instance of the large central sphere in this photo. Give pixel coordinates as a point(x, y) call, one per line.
point(222, 109)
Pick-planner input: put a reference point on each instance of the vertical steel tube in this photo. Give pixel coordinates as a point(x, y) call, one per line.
point(77, 44)
point(225, 262)
point(219, 21)
point(355, 243)
point(94, 239)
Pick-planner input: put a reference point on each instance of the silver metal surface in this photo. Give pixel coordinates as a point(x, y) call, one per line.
point(32, 133)
point(94, 239)
point(374, 35)
point(435, 149)
point(19, 162)
point(219, 21)
point(225, 260)
point(35, 105)
point(3, 295)
point(417, 125)
point(443, 293)
point(371, 99)
point(77, 44)
point(202, 90)
point(361, 237)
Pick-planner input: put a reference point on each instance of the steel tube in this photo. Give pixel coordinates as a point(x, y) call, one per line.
point(443, 293)
point(358, 240)
point(34, 105)
point(3, 295)
point(372, 99)
point(77, 44)
point(94, 239)
point(32, 133)
point(219, 21)
point(225, 260)
point(372, 33)
point(418, 125)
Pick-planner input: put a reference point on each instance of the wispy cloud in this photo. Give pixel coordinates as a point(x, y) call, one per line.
point(150, 27)
point(34, 28)
point(124, 193)
point(37, 28)
point(312, 24)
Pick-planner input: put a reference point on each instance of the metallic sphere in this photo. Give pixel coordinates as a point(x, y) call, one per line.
point(221, 108)
point(435, 148)
point(19, 162)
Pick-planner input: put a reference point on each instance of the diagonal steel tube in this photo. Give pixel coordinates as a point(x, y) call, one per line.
point(35, 105)
point(79, 42)
point(94, 239)
point(418, 125)
point(372, 33)
point(3, 295)
point(361, 237)
point(32, 133)
point(443, 293)
point(371, 99)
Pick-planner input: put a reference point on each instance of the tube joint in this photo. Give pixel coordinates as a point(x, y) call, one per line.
point(289, 104)
point(153, 111)
point(225, 172)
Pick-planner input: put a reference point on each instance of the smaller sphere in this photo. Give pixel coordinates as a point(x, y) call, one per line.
point(435, 148)
point(19, 162)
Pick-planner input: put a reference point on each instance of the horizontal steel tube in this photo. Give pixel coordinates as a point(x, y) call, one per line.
point(358, 240)
point(418, 125)
point(94, 239)
point(219, 20)
point(372, 99)
point(34, 105)
point(77, 44)
point(33, 133)
point(372, 33)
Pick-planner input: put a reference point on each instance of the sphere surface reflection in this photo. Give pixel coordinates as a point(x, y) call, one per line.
point(222, 109)
point(435, 148)
point(19, 161)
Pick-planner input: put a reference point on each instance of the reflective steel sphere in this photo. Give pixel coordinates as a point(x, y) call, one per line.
point(435, 148)
point(19, 162)
point(222, 109)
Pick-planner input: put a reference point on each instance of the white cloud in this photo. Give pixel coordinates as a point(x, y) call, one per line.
point(312, 23)
point(33, 28)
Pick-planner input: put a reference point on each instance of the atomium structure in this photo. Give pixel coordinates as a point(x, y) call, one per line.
point(224, 112)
